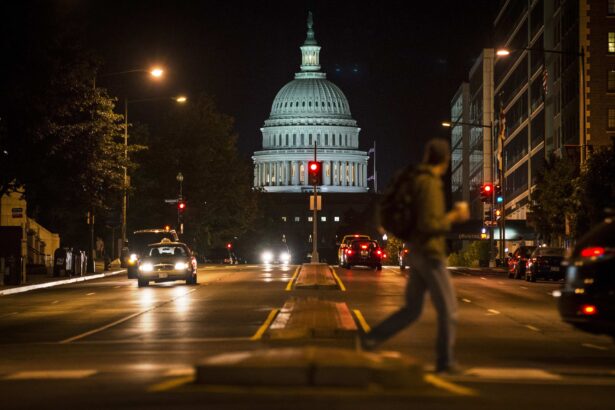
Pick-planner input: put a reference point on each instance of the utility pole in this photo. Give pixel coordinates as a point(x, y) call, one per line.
point(315, 258)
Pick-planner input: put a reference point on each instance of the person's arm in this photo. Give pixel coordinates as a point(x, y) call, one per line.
point(429, 204)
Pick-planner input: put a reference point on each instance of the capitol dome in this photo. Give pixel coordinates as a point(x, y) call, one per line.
point(310, 111)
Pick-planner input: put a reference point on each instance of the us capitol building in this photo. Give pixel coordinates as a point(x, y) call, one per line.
point(310, 110)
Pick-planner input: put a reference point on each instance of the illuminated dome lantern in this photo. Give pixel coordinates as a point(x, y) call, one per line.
point(310, 110)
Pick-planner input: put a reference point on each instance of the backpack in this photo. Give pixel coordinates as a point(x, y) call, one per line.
point(396, 208)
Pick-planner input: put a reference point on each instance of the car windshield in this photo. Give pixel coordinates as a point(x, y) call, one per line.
point(550, 252)
point(173, 250)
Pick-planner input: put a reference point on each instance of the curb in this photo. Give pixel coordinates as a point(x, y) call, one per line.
point(28, 288)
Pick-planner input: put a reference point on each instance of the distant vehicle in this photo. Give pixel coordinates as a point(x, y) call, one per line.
point(545, 263)
point(346, 240)
point(587, 299)
point(364, 253)
point(137, 246)
point(167, 261)
point(402, 256)
point(276, 254)
point(517, 262)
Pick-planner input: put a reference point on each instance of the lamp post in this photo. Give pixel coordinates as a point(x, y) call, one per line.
point(448, 124)
point(504, 52)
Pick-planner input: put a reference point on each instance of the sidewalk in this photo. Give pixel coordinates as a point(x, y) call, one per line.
point(38, 281)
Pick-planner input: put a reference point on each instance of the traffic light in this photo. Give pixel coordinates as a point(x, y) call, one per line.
point(498, 214)
point(497, 191)
point(315, 172)
point(486, 192)
point(181, 206)
point(487, 216)
point(229, 246)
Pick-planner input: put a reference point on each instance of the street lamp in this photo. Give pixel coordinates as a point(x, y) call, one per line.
point(504, 52)
point(449, 124)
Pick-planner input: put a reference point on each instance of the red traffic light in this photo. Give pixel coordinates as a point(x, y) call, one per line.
point(314, 166)
point(229, 245)
point(181, 205)
point(488, 187)
point(315, 173)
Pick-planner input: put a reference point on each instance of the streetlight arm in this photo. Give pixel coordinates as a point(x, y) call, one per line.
point(504, 51)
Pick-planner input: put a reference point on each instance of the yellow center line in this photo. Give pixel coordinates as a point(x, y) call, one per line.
point(170, 384)
point(338, 280)
point(261, 330)
point(449, 386)
point(289, 287)
point(361, 320)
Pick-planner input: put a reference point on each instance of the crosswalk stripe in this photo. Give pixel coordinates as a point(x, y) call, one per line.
point(50, 374)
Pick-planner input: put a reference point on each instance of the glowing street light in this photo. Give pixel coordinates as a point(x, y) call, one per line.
point(157, 72)
point(446, 124)
point(502, 52)
point(181, 99)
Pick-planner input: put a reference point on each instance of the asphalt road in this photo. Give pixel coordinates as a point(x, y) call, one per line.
point(109, 344)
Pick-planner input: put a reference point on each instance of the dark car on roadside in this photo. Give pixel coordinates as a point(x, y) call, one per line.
point(364, 253)
point(587, 300)
point(518, 261)
point(138, 245)
point(545, 263)
point(167, 261)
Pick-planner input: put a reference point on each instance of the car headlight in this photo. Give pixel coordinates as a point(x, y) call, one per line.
point(146, 267)
point(181, 266)
point(285, 257)
point(267, 257)
point(132, 259)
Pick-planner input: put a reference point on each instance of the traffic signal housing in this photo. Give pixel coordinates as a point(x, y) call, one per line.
point(181, 206)
point(315, 173)
point(486, 192)
point(497, 191)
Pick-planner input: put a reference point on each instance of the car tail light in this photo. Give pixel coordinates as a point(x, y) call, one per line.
point(405, 250)
point(348, 251)
point(384, 255)
point(592, 252)
point(363, 246)
point(589, 310)
point(379, 252)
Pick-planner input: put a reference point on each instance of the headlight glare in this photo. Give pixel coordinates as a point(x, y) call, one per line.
point(285, 257)
point(146, 267)
point(181, 266)
point(267, 257)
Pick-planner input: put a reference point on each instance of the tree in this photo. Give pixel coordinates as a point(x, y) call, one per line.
point(198, 141)
point(553, 199)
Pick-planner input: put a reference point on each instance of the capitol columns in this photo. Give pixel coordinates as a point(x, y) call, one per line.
point(294, 173)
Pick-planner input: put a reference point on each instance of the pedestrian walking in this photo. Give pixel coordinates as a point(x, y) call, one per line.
point(424, 204)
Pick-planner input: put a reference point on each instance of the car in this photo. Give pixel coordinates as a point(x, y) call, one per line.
point(587, 299)
point(517, 262)
point(138, 245)
point(402, 256)
point(276, 254)
point(365, 253)
point(167, 261)
point(346, 240)
point(545, 263)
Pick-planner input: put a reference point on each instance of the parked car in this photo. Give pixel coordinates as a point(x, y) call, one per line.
point(346, 240)
point(364, 253)
point(517, 261)
point(138, 245)
point(587, 300)
point(167, 261)
point(402, 256)
point(545, 263)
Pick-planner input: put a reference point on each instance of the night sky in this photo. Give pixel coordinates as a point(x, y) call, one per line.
point(398, 62)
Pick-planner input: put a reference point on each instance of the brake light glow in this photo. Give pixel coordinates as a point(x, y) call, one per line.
point(348, 251)
point(592, 252)
point(589, 310)
point(405, 250)
point(379, 252)
point(363, 246)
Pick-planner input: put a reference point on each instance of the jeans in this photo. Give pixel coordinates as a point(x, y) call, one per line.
point(426, 275)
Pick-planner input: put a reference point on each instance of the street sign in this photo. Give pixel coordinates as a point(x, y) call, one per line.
point(318, 203)
point(171, 201)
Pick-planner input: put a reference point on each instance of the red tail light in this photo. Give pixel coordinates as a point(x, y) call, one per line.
point(405, 250)
point(379, 252)
point(592, 252)
point(363, 246)
point(348, 251)
point(589, 310)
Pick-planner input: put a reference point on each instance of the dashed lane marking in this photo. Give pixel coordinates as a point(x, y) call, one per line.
point(170, 384)
point(466, 300)
point(90, 294)
point(361, 320)
point(449, 386)
point(593, 346)
point(493, 311)
point(55, 302)
point(523, 287)
point(534, 328)
point(483, 278)
point(261, 330)
point(50, 374)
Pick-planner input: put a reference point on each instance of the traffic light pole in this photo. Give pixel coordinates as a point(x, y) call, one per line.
point(315, 258)
point(492, 219)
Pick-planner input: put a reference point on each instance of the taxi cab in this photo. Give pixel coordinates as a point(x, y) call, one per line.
point(167, 261)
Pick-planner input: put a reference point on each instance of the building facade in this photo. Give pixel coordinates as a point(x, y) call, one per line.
point(307, 112)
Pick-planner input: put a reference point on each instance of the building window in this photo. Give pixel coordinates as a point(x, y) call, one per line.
point(286, 139)
point(336, 218)
point(294, 139)
point(611, 82)
point(297, 219)
point(323, 219)
point(611, 119)
point(284, 219)
point(611, 8)
point(310, 140)
point(302, 139)
point(611, 47)
point(310, 219)
point(328, 170)
point(301, 173)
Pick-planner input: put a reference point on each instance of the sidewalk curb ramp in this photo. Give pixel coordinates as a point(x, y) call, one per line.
point(310, 366)
point(312, 318)
point(315, 276)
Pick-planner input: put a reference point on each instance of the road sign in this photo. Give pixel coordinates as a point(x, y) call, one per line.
point(171, 201)
point(318, 203)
